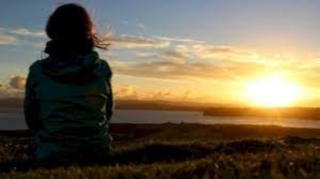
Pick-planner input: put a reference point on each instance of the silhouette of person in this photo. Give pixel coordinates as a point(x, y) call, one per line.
point(68, 100)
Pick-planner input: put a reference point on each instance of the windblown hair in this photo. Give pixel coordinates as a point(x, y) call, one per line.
point(71, 31)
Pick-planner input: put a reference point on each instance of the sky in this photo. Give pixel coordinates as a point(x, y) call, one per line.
point(206, 51)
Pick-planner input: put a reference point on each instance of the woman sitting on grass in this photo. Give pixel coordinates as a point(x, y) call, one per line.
point(68, 100)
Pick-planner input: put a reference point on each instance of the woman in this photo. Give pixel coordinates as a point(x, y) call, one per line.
point(68, 100)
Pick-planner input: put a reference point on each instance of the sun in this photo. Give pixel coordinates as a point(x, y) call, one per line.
point(272, 91)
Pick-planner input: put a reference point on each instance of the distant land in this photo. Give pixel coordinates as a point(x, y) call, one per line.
point(275, 112)
point(134, 104)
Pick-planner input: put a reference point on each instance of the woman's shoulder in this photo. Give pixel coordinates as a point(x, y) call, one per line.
point(35, 66)
point(105, 68)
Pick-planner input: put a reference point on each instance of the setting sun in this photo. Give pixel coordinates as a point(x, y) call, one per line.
point(272, 91)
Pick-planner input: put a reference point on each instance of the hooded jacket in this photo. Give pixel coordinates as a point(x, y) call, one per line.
point(68, 104)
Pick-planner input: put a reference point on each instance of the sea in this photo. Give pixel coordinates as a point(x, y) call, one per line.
point(13, 119)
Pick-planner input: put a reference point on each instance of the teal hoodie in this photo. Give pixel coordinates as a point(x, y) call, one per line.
point(68, 104)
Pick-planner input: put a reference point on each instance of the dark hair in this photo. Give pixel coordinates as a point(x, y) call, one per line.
point(71, 31)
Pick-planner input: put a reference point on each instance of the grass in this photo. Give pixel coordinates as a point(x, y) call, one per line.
point(182, 151)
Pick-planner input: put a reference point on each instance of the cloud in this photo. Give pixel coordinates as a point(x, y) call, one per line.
point(27, 32)
point(226, 54)
point(173, 56)
point(181, 40)
point(141, 54)
point(23, 32)
point(183, 62)
point(7, 91)
point(187, 59)
point(175, 71)
point(7, 40)
point(127, 92)
point(17, 82)
point(138, 93)
point(130, 42)
point(184, 49)
point(4, 93)
point(140, 25)
point(17, 37)
point(220, 52)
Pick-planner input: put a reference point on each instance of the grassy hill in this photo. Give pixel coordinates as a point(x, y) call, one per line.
point(181, 151)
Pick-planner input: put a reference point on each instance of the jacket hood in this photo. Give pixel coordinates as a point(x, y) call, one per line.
point(76, 69)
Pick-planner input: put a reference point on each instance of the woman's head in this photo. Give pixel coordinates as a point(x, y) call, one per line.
point(71, 31)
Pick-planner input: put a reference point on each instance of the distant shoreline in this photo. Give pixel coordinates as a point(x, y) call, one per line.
point(230, 112)
point(280, 112)
point(219, 110)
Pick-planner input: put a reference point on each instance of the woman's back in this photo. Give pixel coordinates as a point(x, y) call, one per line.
point(72, 96)
point(69, 100)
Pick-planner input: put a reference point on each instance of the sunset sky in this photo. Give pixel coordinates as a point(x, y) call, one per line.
point(209, 51)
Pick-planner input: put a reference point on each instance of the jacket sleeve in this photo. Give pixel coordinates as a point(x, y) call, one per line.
point(31, 105)
point(110, 99)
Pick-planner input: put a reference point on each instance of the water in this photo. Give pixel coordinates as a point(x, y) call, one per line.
point(12, 119)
